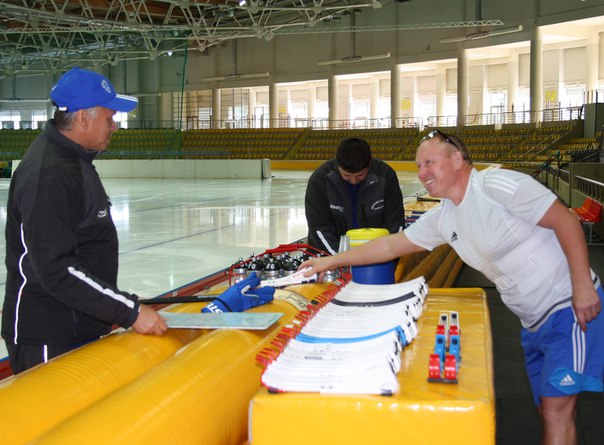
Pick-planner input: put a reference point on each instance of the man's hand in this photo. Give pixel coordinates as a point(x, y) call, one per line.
point(242, 296)
point(587, 305)
point(149, 322)
point(316, 265)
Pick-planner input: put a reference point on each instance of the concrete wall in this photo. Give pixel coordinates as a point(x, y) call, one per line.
point(181, 168)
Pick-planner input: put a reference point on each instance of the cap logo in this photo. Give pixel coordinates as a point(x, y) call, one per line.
point(106, 86)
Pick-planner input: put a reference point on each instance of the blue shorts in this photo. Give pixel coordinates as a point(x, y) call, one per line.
point(562, 360)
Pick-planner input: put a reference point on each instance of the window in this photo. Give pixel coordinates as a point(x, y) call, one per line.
point(121, 119)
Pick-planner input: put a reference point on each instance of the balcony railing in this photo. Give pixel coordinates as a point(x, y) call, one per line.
point(253, 121)
point(589, 187)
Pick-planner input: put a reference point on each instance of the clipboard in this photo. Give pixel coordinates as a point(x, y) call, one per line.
point(226, 320)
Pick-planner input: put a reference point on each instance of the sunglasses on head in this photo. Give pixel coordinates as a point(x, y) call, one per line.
point(460, 148)
point(435, 133)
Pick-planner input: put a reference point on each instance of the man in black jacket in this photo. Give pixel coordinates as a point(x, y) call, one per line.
point(351, 191)
point(61, 242)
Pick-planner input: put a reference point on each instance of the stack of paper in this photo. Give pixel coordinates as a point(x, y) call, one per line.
point(353, 344)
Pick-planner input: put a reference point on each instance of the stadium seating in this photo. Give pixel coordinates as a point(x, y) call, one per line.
point(522, 145)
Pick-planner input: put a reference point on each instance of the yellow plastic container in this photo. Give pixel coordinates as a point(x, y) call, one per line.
point(382, 273)
point(361, 236)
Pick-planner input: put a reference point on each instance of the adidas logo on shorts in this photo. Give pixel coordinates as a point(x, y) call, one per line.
point(567, 381)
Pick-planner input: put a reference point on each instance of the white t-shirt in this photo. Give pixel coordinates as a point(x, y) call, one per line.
point(494, 230)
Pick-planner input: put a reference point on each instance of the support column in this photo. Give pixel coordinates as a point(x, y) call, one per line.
point(157, 67)
point(416, 103)
point(554, 101)
point(395, 77)
point(441, 91)
point(251, 113)
point(513, 77)
point(536, 75)
point(189, 112)
point(288, 104)
point(395, 96)
point(374, 101)
point(273, 92)
point(273, 105)
point(332, 94)
point(478, 104)
point(462, 85)
point(311, 101)
point(166, 113)
point(216, 114)
point(593, 62)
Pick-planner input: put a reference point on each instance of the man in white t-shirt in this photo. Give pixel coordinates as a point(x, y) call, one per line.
point(515, 231)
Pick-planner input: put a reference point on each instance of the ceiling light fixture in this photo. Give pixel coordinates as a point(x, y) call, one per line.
point(238, 76)
point(354, 59)
point(481, 35)
point(353, 47)
point(235, 74)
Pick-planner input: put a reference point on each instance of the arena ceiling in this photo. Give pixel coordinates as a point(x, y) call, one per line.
point(50, 36)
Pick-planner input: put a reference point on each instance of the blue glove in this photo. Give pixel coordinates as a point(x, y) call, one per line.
point(242, 296)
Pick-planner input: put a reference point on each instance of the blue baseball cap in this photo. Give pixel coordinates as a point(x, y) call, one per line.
point(79, 89)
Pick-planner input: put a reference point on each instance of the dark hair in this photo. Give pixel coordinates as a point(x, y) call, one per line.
point(353, 154)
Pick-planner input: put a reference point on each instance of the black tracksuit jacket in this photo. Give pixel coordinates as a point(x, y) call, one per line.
point(61, 249)
point(329, 210)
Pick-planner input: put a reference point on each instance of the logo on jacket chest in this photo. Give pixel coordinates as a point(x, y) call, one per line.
point(378, 205)
point(102, 214)
point(336, 208)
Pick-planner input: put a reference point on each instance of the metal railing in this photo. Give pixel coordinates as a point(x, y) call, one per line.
point(285, 121)
point(510, 117)
point(254, 121)
point(589, 187)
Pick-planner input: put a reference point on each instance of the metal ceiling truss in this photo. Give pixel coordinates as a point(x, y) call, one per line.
point(50, 36)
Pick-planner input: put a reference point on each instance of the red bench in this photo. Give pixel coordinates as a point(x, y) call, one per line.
point(589, 213)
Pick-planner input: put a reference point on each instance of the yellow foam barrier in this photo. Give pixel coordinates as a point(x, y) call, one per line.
point(199, 395)
point(276, 164)
point(420, 413)
point(34, 401)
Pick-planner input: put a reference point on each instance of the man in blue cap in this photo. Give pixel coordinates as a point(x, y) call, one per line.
point(61, 242)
